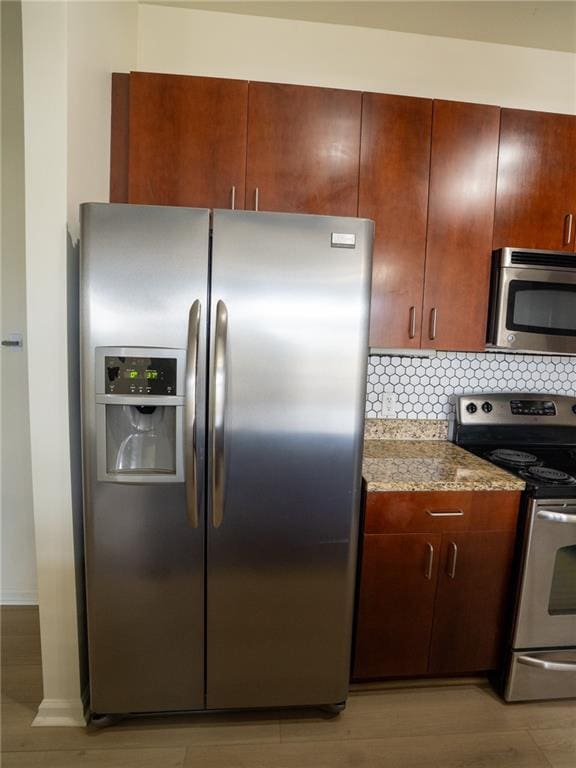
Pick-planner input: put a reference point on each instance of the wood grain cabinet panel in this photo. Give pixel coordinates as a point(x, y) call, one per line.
point(460, 225)
point(394, 174)
point(187, 140)
point(303, 149)
point(470, 612)
point(441, 511)
point(396, 605)
point(434, 594)
point(536, 189)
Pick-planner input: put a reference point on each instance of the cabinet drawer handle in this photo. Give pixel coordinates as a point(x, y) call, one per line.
point(430, 562)
point(233, 199)
point(433, 322)
point(452, 569)
point(446, 513)
point(412, 328)
point(256, 198)
point(568, 220)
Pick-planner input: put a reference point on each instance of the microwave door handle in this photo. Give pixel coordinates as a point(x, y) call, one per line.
point(190, 406)
point(549, 666)
point(552, 516)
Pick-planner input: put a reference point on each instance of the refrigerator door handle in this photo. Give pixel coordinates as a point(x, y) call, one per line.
point(218, 407)
point(190, 458)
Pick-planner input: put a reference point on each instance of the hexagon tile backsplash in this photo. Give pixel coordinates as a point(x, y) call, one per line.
point(425, 387)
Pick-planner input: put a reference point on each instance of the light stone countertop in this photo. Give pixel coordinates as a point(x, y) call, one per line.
point(430, 465)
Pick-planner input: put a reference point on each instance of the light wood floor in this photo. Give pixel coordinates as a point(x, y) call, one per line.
point(396, 726)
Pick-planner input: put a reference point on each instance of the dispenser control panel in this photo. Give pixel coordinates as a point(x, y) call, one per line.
point(140, 375)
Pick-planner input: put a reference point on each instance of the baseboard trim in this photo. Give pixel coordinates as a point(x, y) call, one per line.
point(61, 712)
point(13, 596)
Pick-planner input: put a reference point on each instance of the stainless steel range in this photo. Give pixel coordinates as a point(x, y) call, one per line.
point(534, 436)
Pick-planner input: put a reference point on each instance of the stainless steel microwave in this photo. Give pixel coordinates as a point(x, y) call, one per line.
point(533, 301)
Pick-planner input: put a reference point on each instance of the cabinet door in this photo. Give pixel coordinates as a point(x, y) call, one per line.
point(187, 141)
point(394, 172)
point(460, 223)
point(303, 149)
point(396, 604)
point(536, 190)
point(473, 602)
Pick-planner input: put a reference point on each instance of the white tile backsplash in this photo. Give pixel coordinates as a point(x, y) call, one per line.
point(425, 387)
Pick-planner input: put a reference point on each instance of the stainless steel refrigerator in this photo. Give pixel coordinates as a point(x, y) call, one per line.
point(223, 374)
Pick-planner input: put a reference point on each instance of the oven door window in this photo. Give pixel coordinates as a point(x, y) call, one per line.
point(538, 307)
point(563, 589)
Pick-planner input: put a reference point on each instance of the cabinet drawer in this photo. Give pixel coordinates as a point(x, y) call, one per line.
point(441, 511)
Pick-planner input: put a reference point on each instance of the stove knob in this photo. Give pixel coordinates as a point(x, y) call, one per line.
point(487, 407)
point(471, 408)
point(574, 409)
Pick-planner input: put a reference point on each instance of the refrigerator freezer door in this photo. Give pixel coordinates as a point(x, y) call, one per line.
point(143, 267)
point(290, 302)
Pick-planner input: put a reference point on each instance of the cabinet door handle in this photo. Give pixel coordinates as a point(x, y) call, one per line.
point(256, 198)
point(446, 513)
point(412, 326)
point(433, 322)
point(430, 562)
point(233, 198)
point(452, 568)
point(568, 221)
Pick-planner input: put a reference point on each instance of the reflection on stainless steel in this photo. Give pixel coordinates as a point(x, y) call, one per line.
point(282, 563)
point(141, 269)
point(287, 359)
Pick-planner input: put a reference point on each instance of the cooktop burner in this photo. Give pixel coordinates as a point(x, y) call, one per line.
point(549, 475)
point(512, 458)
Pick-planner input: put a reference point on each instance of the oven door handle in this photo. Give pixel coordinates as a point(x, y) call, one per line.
point(548, 666)
point(552, 516)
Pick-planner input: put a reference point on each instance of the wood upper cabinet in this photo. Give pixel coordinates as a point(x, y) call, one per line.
point(186, 141)
point(435, 579)
point(394, 172)
point(303, 149)
point(460, 223)
point(536, 191)
point(470, 613)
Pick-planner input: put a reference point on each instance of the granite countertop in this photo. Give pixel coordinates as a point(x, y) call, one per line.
point(430, 465)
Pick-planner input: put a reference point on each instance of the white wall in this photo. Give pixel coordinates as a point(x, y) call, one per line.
point(185, 41)
point(18, 577)
point(69, 52)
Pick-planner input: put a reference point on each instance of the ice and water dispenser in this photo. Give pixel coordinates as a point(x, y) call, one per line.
point(140, 414)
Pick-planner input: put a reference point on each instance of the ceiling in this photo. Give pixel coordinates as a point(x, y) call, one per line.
point(549, 25)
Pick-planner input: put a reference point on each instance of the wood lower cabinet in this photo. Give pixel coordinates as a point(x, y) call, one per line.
point(435, 583)
point(536, 190)
point(460, 222)
point(303, 149)
point(470, 613)
point(394, 173)
point(396, 604)
point(186, 140)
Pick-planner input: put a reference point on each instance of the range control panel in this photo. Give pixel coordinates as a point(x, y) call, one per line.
point(533, 407)
point(501, 408)
point(140, 375)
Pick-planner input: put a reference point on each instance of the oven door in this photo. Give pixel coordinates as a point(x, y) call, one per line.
point(536, 310)
point(546, 616)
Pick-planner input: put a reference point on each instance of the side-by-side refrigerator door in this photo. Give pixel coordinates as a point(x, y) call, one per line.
point(289, 336)
point(144, 293)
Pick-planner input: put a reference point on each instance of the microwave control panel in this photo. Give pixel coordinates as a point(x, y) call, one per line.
point(140, 375)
